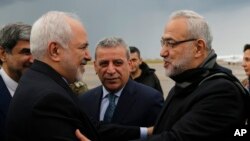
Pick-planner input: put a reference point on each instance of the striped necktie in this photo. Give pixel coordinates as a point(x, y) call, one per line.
point(110, 109)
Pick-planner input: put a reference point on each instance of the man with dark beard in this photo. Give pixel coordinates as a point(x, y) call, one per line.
point(15, 58)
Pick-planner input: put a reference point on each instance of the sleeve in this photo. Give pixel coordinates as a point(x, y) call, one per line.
point(216, 112)
point(53, 118)
point(154, 107)
point(115, 132)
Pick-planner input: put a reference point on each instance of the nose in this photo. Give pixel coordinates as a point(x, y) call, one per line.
point(164, 52)
point(87, 56)
point(31, 59)
point(243, 63)
point(111, 68)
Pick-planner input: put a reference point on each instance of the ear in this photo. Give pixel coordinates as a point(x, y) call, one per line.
point(95, 66)
point(54, 51)
point(201, 48)
point(129, 65)
point(2, 54)
point(140, 60)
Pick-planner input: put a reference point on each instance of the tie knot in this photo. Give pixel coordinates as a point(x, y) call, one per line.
point(111, 97)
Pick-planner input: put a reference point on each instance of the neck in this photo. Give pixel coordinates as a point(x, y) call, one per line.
point(11, 74)
point(136, 74)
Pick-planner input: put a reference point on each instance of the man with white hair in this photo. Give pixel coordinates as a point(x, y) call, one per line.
point(44, 108)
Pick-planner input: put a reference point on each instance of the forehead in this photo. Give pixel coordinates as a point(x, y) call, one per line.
point(21, 44)
point(175, 29)
point(80, 34)
point(247, 53)
point(134, 55)
point(110, 53)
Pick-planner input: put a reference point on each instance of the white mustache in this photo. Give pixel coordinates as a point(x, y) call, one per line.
point(166, 60)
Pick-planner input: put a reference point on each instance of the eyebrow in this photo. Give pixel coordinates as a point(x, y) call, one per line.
point(85, 44)
point(167, 38)
point(25, 50)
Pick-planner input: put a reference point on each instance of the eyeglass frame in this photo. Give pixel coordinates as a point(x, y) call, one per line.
point(167, 42)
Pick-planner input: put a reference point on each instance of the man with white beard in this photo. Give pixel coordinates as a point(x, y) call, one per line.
point(44, 108)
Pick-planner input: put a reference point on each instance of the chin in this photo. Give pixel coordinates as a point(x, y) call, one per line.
point(79, 77)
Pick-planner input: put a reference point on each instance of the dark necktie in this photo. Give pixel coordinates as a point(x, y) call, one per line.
point(111, 108)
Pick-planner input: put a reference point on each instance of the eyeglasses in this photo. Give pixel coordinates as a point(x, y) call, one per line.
point(172, 43)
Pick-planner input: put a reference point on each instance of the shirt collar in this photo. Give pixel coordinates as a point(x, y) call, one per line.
point(9, 82)
point(106, 92)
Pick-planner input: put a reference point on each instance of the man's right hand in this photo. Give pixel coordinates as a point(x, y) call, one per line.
point(80, 136)
point(150, 130)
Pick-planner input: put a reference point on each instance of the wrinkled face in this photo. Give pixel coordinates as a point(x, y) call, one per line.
point(135, 62)
point(177, 58)
point(16, 62)
point(246, 62)
point(112, 67)
point(77, 54)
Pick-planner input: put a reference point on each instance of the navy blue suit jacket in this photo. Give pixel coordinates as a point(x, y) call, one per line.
point(45, 109)
point(138, 104)
point(5, 98)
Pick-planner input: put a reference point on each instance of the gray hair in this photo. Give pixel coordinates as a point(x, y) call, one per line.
point(51, 27)
point(197, 25)
point(11, 33)
point(113, 42)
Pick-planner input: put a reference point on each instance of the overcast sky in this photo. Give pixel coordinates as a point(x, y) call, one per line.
point(141, 22)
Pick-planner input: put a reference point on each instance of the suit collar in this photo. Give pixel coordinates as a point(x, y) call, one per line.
point(9, 82)
point(51, 73)
point(3, 87)
point(105, 92)
point(96, 106)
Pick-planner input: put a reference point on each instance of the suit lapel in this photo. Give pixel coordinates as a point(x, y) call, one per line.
point(51, 73)
point(5, 97)
point(3, 88)
point(164, 108)
point(97, 96)
point(126, 101)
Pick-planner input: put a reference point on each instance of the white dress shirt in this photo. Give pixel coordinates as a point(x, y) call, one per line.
point(9, 82)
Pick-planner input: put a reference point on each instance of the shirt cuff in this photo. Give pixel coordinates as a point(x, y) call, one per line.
point(144, 133)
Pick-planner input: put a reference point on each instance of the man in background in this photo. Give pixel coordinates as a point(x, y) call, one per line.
point(246, 66)
point(15, 58)
point(130, 103)
point(140, 71)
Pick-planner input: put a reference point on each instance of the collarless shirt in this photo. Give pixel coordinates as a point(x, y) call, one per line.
point(105, 101)
point(9, 82)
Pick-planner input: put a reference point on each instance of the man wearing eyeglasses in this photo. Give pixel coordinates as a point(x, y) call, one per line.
point(207, 103)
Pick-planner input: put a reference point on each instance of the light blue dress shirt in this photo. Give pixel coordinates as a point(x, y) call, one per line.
point(104, 106)
point(105, 101)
